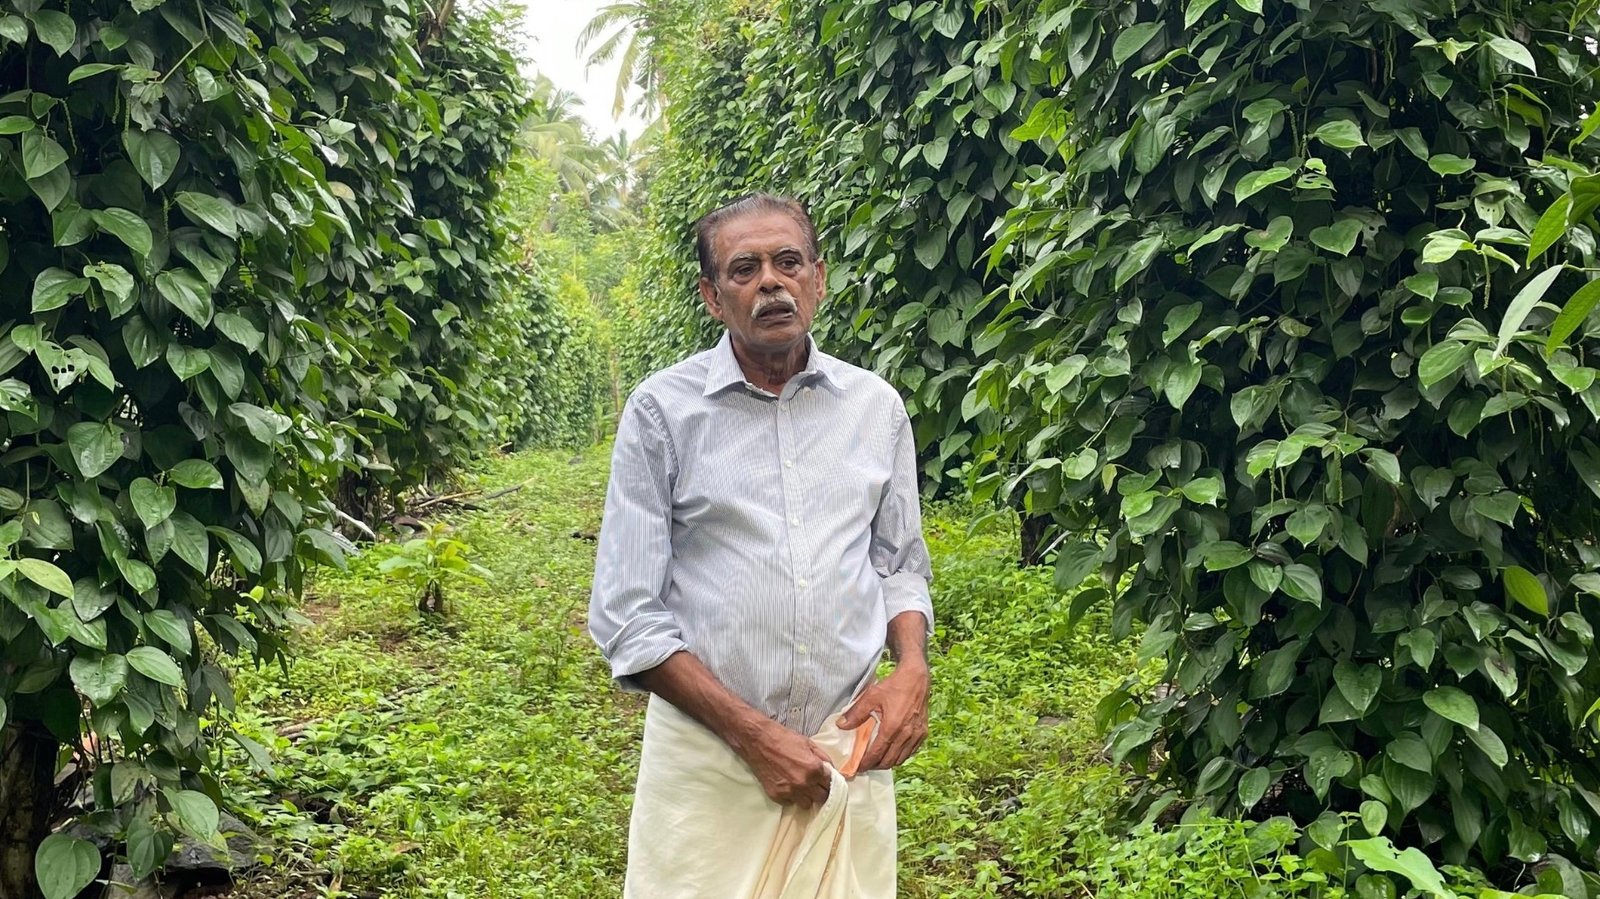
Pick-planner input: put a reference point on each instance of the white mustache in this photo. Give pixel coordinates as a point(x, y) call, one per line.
point(784, 300)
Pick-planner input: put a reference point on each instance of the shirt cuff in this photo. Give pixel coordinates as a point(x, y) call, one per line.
point(906, 591)
point(643, 643)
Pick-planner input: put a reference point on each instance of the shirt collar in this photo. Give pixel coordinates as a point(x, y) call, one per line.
point(725, 372)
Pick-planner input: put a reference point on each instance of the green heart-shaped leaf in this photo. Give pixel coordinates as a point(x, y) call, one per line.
point(156, 665)
point(197, 474)
point(190, 543)
point(1340, 237)
point(1513, 52)
point(65, 865)
point(95, 446)
point(1374, 815)
point(1133, 39)
point(152, 502)
point(57, 29)
point(211, 211)
point(186, 361)
point(196, 813)
point(55, 287)
point(1451, 164)
point(128, 227)
point(40, 155)
point(116, 283)
point(1341, 134)
point(1255, 182)
point(1442, 360)
point(154, 155)
point(1522, 586)
point(100, 678)
point(1273, 237)
point(1453, 704)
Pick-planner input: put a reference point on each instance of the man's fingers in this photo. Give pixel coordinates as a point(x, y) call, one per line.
point(911, 744)
point(858, 712)
point(889, 752)
point(894, 749)
point(904, 752)
point(883, 749)
point(858, 748)
point(873, 759)
point(821, 785)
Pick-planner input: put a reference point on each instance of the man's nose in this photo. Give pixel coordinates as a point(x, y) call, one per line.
point(769, 277)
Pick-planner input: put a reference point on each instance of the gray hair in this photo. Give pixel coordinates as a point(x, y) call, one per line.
point(705, 230)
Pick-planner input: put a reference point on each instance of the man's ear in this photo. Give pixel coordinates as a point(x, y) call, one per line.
point(708, 292)
point(822, 279)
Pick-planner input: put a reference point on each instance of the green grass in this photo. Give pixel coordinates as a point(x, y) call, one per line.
point(480, 755)
point(485, 753)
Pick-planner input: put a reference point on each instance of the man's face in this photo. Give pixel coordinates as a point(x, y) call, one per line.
point(767, 286)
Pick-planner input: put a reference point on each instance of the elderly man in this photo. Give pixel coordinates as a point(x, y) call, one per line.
point(761, 546)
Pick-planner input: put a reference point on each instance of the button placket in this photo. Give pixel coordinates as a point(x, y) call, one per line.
point(799, 559)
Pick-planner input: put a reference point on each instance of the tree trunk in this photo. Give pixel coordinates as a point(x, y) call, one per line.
point(1035, 528)
point(358, 496)
point(27, 799)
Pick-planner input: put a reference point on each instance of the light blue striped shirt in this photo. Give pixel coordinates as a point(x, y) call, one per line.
point(773, 537)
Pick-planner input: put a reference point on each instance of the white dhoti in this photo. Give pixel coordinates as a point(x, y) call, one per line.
point(704, 829)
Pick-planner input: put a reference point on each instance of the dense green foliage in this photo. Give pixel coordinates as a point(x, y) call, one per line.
point(1300, 391)
point(249, 256)
point(570, 270)
point(1280, 310)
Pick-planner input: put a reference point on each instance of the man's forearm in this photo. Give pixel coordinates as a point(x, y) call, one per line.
point(908, 639)
point(689, 685)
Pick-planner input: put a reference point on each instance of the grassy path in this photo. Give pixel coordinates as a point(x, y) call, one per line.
point(484, 753)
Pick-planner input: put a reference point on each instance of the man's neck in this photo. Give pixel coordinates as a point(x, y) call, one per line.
point(770, 371)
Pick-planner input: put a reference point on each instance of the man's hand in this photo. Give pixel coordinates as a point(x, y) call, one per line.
point(901, 701)
point(792, 769)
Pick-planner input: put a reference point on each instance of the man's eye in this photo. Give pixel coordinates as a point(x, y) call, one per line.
point(789, 263)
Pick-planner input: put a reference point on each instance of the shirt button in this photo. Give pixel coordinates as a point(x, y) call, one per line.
point(801, 649)
point(795, 522)
point(788, 463)
point(795, 711)
point(801, 583)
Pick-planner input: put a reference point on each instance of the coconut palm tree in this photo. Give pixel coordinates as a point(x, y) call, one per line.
point(628, 22)
point(555, 133)
point(619, 158)
point(613, 202)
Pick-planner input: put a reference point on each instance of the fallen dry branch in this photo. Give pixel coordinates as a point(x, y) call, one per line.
point(460, 499)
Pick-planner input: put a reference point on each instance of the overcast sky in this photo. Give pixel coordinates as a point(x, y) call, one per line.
point(549, 38)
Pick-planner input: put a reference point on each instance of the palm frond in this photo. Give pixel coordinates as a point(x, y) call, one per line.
point(625, 13)
point(608, 49)
point(627, 71)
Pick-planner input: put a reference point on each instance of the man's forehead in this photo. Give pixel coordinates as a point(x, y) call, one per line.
point(759, 232)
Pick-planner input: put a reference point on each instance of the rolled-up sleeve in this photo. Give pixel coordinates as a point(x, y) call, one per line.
point(899, 553)
point(627, 617)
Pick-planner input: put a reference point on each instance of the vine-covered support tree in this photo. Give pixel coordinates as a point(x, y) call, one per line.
point(894, 122)
point(433, 320)
point(245, 249)
point(1319, 396)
